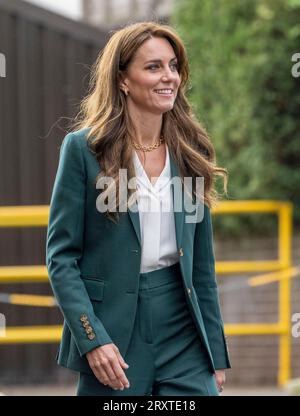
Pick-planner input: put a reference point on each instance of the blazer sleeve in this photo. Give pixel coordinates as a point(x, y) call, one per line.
point(205, 284)
point(64, 246)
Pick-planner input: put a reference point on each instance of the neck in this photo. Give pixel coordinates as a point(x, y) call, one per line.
point(147, 127)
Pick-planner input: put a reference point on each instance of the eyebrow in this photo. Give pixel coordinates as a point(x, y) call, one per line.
point(159, 60)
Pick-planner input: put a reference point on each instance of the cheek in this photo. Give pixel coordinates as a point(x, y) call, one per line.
point(144, 88)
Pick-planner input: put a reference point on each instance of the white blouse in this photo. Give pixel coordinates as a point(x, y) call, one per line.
point(155, 205)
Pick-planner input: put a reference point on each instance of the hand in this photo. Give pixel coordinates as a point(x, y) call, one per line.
point(107, 365)
point(220, 379)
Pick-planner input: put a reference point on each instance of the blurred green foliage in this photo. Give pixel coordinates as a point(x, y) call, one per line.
point(243, 91)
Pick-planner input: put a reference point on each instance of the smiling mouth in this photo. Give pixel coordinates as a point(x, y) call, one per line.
point(166, 92)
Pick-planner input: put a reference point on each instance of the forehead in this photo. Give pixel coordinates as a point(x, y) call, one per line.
point(155, 48)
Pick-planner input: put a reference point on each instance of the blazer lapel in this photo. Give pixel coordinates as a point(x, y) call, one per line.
point(135, 219)
point(178, 215)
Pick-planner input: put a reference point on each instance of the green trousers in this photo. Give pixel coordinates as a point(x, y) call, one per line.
point(165, 354)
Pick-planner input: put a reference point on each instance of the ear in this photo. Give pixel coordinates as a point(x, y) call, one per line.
point(122, 81)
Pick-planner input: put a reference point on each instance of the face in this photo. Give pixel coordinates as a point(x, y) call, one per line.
point(152, 77)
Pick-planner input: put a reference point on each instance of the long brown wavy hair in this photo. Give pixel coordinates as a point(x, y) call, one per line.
point(104, 112)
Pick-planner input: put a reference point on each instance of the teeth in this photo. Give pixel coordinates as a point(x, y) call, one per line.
point(163, 91)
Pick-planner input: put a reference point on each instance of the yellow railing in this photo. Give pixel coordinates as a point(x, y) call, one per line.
point(37, 216)
point(282, 264)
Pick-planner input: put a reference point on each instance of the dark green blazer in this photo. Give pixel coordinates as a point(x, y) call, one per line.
point(94, 265)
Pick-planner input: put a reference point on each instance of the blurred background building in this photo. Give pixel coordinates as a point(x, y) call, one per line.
point(108, 13)
point(69, 8)
point(117, 12)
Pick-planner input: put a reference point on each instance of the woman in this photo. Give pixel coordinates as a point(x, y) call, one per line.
point(137, 286)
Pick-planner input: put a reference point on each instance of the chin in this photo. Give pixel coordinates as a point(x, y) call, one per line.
point(160, 111)
point(165, 108)
point(168, 108)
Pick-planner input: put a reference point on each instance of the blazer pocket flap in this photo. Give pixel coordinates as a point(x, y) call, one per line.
point(95, 288)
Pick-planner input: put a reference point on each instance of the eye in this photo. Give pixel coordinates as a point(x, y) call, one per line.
point(152, 66)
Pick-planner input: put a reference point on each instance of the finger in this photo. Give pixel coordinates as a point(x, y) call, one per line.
point(109, 365)
point(119, 371)
point(101, 370)
point(121, 359)
point(109, 380)
point(100, 373)
point(120, 374)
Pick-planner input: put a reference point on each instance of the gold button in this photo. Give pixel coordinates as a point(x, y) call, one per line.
point(85, 324)
point(180, 251)
point(89, 330)
point(83, 317)
point(91, 336)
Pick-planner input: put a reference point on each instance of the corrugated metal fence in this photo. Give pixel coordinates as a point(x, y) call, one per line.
point(48, 59)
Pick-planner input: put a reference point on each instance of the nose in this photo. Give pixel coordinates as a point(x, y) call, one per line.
point(168, 74)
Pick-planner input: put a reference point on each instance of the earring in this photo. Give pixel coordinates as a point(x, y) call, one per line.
point(126, 92)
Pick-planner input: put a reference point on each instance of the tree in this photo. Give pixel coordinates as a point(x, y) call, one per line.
point(243, 91)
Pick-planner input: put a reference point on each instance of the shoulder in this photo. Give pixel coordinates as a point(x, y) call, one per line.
point(75, 141)
point(77, 137)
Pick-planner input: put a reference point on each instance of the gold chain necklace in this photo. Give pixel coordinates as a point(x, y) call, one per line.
point(148, 148)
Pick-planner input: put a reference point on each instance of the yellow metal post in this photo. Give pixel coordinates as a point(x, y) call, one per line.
point(285, 258)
